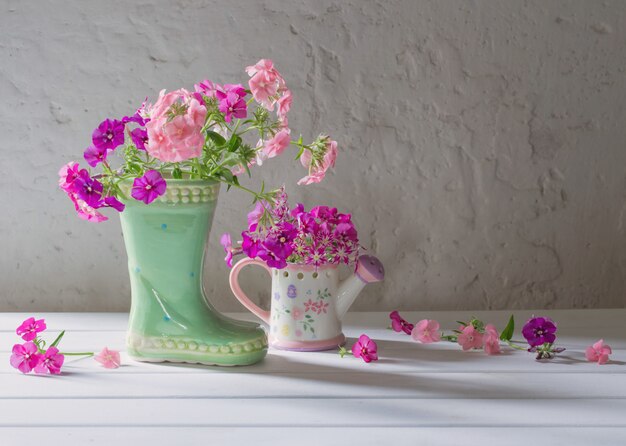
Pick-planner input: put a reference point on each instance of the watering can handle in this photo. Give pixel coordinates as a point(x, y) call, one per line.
point(240, 295)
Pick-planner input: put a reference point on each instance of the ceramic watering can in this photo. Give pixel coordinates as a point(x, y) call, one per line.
point(308, 304)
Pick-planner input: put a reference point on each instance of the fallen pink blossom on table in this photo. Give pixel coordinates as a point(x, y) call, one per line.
point(365, 349)
point(110, 359)
point(30, 327)
point(491, 340)
point(598, 352)
point(24, 357)
point(426, 331)
point(470, 338)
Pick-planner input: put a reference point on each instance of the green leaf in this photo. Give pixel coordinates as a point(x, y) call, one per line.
point(234, 143)
point(58, 339)
point(216, 138)
point(507, 333)
point(177, 173)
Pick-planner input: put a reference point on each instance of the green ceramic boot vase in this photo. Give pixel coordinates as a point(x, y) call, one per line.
point(170, 318)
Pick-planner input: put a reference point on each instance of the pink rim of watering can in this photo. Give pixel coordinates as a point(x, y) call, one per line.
point(308, 303)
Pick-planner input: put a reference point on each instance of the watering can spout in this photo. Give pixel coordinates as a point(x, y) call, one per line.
point(368, 270)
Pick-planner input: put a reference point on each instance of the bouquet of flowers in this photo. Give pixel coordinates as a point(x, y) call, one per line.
point(204, 134)
point(279, 235)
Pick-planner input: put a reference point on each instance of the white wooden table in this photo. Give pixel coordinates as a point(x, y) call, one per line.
point(420, 394)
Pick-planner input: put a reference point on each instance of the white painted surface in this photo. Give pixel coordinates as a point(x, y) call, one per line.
point(482, 142)
point(417, 394)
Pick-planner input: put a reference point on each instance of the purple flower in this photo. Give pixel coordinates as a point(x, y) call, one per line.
point(94, 155)
point(140, 138)
point(233, 105)
point(539, 330)
point(272, 260)
point(280, 240)
point(148, 187)
point(108, 135)
point(114, 203)
point(249, 245)
point(88, 189)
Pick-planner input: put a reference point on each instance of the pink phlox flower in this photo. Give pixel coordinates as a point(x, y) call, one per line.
point(426, 331)
point(277, 144)
point(30, 327)
point(50, 362)
point(365, 348)
point(24, 357)
point(227, 244)
point(598, 352)
point(491, 340)
point(85, 211)
point(110, 359)
point(148, 187)
point(254, 216)
point(67, 174)
point(470, 338)
point(317, 170)
point(265, 82)
point(283, 105)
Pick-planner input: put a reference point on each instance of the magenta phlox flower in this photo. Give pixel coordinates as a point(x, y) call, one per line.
point(297, 211)
point(539, 330)
point(149, 187)
point(24, 357)
point(233, 105)
point(109, 134)
point(342, 253)
point(250, 246)
point(470, 338)
point(50, 362)
point(365, 348)
point(207, 88)
point(598, 352)
point(88, 189)
point(279, 242)
point(114, 203)
point(316, 256)
point(67, 174)
point(139, 137)
point(95, 155)
point(226, 89)
point(272, 260)
point(30, 327)
point(398, 323)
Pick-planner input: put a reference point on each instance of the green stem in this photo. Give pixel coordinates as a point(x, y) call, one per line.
point(516, 347)
point(78, 354)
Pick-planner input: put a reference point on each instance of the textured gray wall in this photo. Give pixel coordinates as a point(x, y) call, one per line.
point(482, 142)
